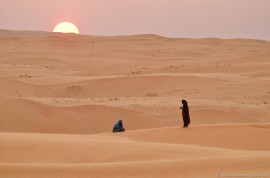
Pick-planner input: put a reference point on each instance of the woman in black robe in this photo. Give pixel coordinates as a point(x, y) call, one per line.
point(185, 113)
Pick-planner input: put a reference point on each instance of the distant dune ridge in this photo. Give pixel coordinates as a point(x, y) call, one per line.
point(62, 93)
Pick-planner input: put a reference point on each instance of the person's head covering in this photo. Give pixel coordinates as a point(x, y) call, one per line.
point(120, 123)
point(184, 102)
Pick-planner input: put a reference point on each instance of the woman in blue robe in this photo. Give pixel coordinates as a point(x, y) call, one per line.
point(118, 127)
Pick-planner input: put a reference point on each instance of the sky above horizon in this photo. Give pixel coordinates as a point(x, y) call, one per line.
point(171, 18)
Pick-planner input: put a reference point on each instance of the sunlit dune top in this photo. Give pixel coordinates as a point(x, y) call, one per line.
point(66, 27)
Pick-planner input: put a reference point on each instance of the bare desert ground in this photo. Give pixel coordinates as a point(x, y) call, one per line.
point(61, 94)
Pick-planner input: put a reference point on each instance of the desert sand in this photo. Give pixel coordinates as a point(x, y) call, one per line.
point(62, 93)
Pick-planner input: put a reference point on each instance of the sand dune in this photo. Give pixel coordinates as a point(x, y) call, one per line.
point(170, 151)
point(62, 93)
point(21, 115)
point(145, 169)
point(245, 136)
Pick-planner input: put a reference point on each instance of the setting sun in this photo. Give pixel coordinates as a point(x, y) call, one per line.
point(66, 27)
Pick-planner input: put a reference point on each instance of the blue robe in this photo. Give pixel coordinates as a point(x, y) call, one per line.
point(118, 127)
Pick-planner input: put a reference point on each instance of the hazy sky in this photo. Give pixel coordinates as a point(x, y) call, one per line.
point(172, 18)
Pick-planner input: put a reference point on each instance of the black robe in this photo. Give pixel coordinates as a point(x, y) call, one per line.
point(185, 114)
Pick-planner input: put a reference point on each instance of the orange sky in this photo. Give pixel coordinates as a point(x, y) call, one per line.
point(172, 18)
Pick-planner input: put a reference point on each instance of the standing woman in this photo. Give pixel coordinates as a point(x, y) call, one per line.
point(185, 113)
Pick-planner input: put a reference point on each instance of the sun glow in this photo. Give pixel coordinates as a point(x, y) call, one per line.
point(66, 27)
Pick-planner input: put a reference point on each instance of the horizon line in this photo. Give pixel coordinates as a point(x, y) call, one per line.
point(138, 34)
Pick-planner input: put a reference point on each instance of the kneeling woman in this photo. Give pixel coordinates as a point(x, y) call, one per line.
point(118, 127)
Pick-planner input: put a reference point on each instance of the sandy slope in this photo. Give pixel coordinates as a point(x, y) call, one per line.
point(204, 151)
point(62, 93)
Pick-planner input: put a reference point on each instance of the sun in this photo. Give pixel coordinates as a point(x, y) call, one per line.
point(66, 27)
